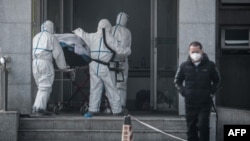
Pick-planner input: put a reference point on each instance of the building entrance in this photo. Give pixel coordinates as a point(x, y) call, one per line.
point(153, 24)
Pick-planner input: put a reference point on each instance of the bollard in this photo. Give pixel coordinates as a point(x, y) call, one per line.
point(127, 133)
point(4, 70)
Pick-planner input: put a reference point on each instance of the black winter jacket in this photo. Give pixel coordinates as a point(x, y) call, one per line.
point(200, 81)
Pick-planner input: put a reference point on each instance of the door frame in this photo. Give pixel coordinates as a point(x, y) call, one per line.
point(153, 55)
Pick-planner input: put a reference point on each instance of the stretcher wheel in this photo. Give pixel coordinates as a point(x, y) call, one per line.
point(56, 109)
point(84, 109)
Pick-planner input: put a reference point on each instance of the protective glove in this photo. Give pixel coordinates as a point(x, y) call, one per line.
point(67, 69)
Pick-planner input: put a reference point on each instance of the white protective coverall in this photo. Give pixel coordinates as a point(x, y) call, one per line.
point(45, 48)
point(123, 34)
point(99, 73)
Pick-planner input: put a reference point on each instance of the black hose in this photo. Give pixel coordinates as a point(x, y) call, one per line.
point(105, 42)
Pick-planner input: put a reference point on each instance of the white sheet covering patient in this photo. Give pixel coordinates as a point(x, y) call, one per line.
point(73, 40)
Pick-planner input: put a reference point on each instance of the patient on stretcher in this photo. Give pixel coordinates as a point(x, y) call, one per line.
point(76, 52)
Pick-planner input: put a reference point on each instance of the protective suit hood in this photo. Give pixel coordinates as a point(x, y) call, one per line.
point(104, 23)
point(122, 19)
point(48, 26)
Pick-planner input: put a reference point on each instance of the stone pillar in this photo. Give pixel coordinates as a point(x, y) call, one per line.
point(9, 121)
point(196, 23)
point(15, 41)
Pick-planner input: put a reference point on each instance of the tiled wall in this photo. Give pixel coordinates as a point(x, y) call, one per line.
point(15, 41)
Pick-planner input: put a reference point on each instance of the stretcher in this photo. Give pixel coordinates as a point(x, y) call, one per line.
point(77, 58)
point(76, 87)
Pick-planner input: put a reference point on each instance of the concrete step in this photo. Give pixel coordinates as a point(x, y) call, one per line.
point(99, 128)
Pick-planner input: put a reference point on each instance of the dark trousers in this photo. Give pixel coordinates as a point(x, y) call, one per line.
point(197, 118)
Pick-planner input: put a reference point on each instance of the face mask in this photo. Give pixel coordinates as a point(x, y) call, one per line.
point(195, 56)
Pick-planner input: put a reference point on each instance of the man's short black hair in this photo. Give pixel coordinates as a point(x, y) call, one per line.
point(196, 43)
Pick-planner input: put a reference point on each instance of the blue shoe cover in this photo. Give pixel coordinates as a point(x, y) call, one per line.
point(87, 115)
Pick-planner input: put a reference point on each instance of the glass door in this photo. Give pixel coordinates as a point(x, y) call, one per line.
point(60, 12)
point(163, 54)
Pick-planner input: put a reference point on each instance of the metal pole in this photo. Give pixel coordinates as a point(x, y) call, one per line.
point(5, 87)
point(5, 69)
point(153, 70)
point(1, 88)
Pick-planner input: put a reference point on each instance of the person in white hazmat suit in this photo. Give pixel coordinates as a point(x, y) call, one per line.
point(123, 34)
point(100, 75)
point(45, 48)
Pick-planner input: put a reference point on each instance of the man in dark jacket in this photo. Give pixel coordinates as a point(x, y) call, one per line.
point(201, 81)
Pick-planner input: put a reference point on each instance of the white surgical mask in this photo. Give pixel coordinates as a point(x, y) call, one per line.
point(195, 56)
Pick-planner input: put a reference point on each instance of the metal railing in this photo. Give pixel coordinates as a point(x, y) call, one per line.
point(4, 70)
